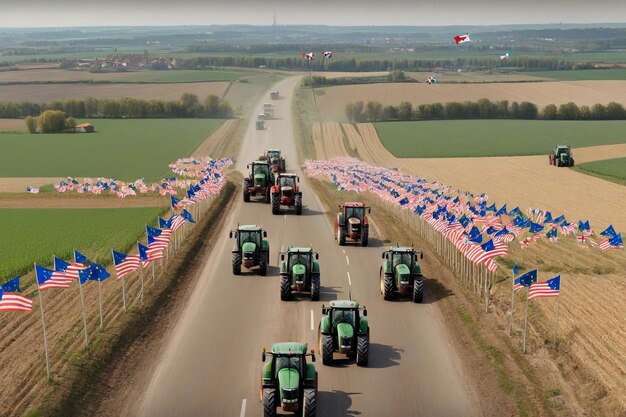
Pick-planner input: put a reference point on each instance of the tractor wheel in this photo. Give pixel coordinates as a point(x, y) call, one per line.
point(388, 287)
point(285, 288)
point(270, 402)
point(559, 163)
point(237, 263)
point(327, 349)
point(315, 287)
point(268, 195)
point(263, 264)
point(275, 204)
point(418, 290)
point(342, 235)
point(246, 190)
point(571, 162)
point(310, 403)
point(298, 203)
point(365, 234)
point(362, 349)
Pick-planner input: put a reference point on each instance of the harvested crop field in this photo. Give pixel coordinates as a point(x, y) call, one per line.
point(12, 125)
point(333, 102)
point(42, 93)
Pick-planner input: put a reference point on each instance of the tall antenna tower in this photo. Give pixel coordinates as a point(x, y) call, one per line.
point(274, 19)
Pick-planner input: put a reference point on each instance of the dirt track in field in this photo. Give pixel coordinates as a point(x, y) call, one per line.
point(333, 102)
point(51, 92)
point(593, 303)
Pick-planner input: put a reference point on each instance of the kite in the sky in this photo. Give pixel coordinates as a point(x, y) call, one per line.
point(431, 80)
point(308, 55)
point(328, 54)
point(505, 56)
point(462, 39)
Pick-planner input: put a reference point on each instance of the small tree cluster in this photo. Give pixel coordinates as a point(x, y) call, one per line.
point(50, 121)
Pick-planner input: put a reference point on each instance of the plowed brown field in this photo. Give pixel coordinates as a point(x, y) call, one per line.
point(42, 93)
point(12, 125)
point(593, 302)
point(333, 102)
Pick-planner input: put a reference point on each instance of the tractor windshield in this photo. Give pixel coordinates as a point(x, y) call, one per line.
point(342, 316)
point(273, 156)
point(299, 258)
point(354, 212)
point(293, 362)
point(249, 236)
point(286, 182)
point(260, 169)
point(402, 258)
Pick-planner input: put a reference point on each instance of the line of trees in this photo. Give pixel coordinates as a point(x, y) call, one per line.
point(395, 76)
point(481, 109)
point(188, 106)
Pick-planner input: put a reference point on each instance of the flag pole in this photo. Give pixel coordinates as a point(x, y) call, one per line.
point(556, 323)
point(525, 321)
point(123, 283)
point(82, 305)
point(141, 275)
point(153, 273)
point(512, 305)
point(43, 326)
point(100, 301)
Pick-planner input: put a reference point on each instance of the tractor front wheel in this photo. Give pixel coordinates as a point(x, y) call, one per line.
point(418, 290)
point(342, 235)
point(285, 288)
point(246, 190)
point(237, 263)
point(298, 204)
point(362, 349)
point(571, 162)
point(365, 234)
point(327, 349)
point(310, 402)
point(268, 195)
point(270, 402)
point(275, 203)
point(315, 287)
point(263, 264)
point(388, 287)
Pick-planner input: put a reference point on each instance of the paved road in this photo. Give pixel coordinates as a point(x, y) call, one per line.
point(211, 365)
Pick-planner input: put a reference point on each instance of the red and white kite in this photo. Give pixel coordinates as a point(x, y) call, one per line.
point(308, 55)
point(462, 39)
point(328, 54)
point(505, 56)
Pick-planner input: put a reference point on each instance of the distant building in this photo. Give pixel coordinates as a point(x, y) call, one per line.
point(84, 128)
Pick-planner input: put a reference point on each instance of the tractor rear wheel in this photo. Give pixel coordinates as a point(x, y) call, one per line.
point(388, 287)
point(327, 349)
point(418, 290)
point(237, 263)
point(275, 203)
point(268, 195)
point(571, 162)
point(362, 349)
point(365, 234)
point(285, 288)
point(310, 402)
point(315, 287)
point(263, 264)
point(342, 235)
point(270, 402)
point(298, 204)
point(246, 190)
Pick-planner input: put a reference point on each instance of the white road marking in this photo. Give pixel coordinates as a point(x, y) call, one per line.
point(349, 280)
point(344, 251)
point(243, 408)
point(312, 321)
point(284, 218)
point(347, 260)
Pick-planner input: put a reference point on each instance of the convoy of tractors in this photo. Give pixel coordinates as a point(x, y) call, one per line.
point(288, 381)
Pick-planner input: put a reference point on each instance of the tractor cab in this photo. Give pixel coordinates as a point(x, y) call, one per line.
point(260, 173)
point(561, 156)
point(352, 223)
point(286, 192)
point(250, 249)
point(401, 273)
point(344, 329)
point(300, 272)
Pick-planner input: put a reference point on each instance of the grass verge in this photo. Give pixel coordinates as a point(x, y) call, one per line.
point(613, 170)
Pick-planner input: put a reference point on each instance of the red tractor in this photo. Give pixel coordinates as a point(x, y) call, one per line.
point(352, 223)
point(286, 192)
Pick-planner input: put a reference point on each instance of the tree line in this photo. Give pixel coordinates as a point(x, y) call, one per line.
point(395, 76)
point(188, 106)
point(482, 109)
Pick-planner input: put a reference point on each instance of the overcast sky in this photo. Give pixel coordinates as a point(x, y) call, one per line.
point(34, 13)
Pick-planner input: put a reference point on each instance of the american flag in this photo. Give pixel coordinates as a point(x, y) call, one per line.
point(47, 278)
point(525, 280)
point(153, 243)
point(14, 302)
point(177, 222)
point(549, 288)
point(125, 264)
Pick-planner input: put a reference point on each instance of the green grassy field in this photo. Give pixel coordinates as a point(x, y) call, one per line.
point(185, 76)
point(611, 169)
point(581, 75)
point(36, 235)
point(463, 138)
point(124, 149)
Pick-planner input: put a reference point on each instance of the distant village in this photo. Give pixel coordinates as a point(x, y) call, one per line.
point(120, 63)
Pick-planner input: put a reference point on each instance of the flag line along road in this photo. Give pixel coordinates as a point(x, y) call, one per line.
point(212, 358)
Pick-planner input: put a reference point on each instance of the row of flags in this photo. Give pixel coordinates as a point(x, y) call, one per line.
point(205, 172)
point(548, 288)
point(480, 230)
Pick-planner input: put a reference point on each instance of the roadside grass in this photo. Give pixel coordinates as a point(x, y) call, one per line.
point(244, 93)
point(613, 170)
point(36, 235)
point(479, 138)
point(123, 149)
point(582, 75)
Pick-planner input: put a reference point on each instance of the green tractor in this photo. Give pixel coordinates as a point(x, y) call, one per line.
point(250, 249)
point(299, 273)
point(401, 273)
point(344, 329)
point(259, 181)
point(288, 381)
point(561, 156)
